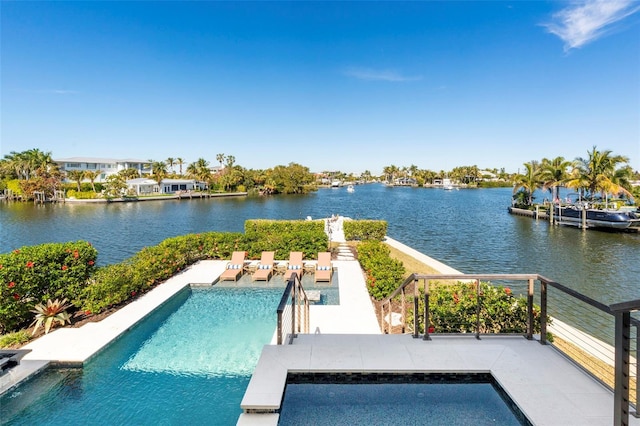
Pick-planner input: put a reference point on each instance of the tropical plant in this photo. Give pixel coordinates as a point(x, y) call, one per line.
point(77, 176)
point(47, 315)
point(129, 173)
point(199, 170)
point(553, 174)
point(92, 175)
point(27, 164)
point(453, 308)
point(170, 163)
point(180, 163)
point(116, 184)
point(158, 171)
point(599, 174)
point(529, 181)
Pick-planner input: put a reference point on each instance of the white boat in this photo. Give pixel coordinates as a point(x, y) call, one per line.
point(336, 184)
point(350, 188)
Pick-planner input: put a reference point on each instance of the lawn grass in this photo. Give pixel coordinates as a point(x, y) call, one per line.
point(411, 264)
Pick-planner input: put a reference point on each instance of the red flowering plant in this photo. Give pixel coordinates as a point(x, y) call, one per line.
point(453, 309)
point(33, 274)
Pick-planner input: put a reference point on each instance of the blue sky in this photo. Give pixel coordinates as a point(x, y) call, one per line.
point(331, 85)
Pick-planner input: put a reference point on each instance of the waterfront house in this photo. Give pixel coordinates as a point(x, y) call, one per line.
point(107, 166)
point(146, 186)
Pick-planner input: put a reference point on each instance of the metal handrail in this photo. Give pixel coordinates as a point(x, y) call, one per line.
point(295, 299)
point(620, 311)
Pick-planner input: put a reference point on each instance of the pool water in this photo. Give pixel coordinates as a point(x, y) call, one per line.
point(187, 363)
point(447, 404)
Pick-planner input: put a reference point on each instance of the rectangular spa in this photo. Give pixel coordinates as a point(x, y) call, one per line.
point(392, 399)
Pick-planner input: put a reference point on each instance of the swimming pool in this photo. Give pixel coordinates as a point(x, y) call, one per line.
point(329, 291)
point(393, 399)
point(189, 362)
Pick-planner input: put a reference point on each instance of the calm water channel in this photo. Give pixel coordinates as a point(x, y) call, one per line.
point(469, 230)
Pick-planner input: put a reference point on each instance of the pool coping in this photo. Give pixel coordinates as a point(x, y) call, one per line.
point(547, 387)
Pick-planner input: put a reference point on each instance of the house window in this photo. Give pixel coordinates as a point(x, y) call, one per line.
point(72, 165)
point(91, 166)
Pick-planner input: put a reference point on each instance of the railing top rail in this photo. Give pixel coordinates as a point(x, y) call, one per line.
point(629, 306)
point(592, 302)
point(476, 276)
point(581, 297)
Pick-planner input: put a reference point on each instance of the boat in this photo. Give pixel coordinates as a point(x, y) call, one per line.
point(336, 184)
point(350, 188)
point(578, 215)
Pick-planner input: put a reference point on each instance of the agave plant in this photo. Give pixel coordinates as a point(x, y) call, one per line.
point(54, 311)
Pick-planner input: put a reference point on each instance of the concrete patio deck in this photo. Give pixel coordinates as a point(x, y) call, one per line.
point(548, 388)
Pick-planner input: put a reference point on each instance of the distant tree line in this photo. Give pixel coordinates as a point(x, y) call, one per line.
point(27, 172)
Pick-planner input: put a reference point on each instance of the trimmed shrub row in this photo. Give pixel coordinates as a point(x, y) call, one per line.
point(383, 274)
point(33, 274)
point(285, 236)
point(114, 284)
point(365, 230)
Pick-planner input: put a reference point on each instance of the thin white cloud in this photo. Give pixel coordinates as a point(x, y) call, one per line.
point(370, 74)
point(587, 20)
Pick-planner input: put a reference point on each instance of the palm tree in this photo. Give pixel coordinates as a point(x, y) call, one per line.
point(220, 159)
point(129, 173)
point(529, 181)
point(170, 163)
point(180, 162)
point(597, 173)
point(200, 170)
point(554, 174)
point(76, 176)
point(158, 171)
point(92, 176)
point(28, 163)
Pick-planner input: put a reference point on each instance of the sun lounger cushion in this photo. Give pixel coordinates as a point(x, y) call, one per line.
point(264, 266)
point(294, 266)
point(324, 268)
point(233, 266)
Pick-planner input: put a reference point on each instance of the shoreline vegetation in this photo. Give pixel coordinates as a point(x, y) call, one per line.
point(35, 175)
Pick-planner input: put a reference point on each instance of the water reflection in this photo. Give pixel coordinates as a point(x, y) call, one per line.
point(467, 229)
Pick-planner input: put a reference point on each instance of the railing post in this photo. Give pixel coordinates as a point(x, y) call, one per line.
point(478, 307)
point(530, 319)
point(543, 312)
point(293, 314)
point(279, 332)
point(635, 413)
point(427, 321)
point(621, 384)
point(296, 284)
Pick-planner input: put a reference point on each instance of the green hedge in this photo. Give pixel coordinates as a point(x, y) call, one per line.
point(33, 274)
point(453, 309)
point(285, 236)
point(364, 229)
point(383, 274)
point(114, 284)
point(83, 195)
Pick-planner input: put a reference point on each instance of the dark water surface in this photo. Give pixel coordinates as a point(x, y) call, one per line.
point(469, 230)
